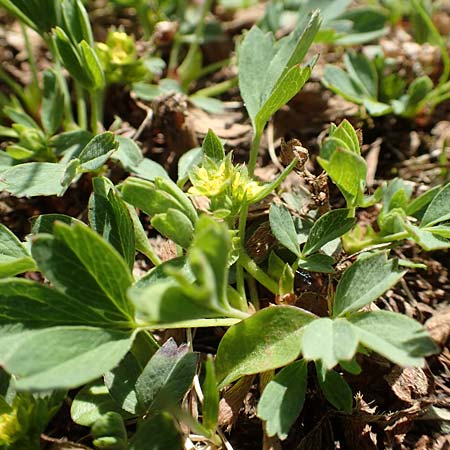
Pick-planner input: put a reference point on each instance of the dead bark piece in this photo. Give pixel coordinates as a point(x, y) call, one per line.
point(410, 384)
point(232, 402)
point(439, 326)
point(171, 119)
point(440, 442)
point(320, 437)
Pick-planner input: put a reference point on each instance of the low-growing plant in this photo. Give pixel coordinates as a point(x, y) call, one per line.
point(373, 84)
point(91, 324)
point(342, 24)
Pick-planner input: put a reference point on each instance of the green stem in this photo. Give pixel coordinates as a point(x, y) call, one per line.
point(254, 298)
point(13, 85)
point(210, 68)
point(240, 285)
point(31, 58)
point(440, 42)
point(62, 81)
point(96, 98)
point(216, 89)
point(257, 273)
point(379, 240)
point(254, 149)
point(81, 106)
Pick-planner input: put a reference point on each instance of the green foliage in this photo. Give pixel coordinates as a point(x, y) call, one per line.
point(283, 398)
point(25, 417)
point(270, 73)
point(371, 83)
point(82, 155)
point(341, 158)
point(423, 220)
point(14, 257)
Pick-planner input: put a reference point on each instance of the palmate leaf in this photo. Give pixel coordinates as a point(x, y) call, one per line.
point(268, 77)
point(82, 265)
point(66, 336)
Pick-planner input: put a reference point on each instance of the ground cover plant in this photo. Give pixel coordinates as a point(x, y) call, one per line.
point(204, 244)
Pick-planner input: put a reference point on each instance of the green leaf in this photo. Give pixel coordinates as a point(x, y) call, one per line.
point(363, 73)
point(213, 147)
point(425, 238)
point(31, 13)
point(109, 216)
point(288, 86)
point(328, 227)
point(335, 388)
point(14, 258)
point(45, 222)
point(52, 358)
point(34, 304)
point(76, 21)
point(109, 432)
point(84, 266)
point(92, 66)
point(210, 411)
point(262, 64)
point(377, 109)
point(174, 225)
point(269, 339)
point(144, 195)
point(255, 53)
point(329, 341)
point(97, 151)
point(348, 171)
point(364, 281)
point(187, 162)
point(91, 403)
point(347, 134)
point(71, 58)
point(33, 179)
point(397, 337)
point(213, 240)
point(158, 432)
point(166, 378)
point(128, 153)
point(439, 208)
point(416, 207)
point(339, 81)
point(52, 103)
point(283, 398)
point(283, 228)
point(317, 263)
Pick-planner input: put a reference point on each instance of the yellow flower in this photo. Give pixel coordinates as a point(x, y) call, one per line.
point(243, 188)
point(211, 180)
point(10, 429)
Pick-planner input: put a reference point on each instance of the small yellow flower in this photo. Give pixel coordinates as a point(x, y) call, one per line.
point(10, 429)
point(243, 188)
point(210, 181)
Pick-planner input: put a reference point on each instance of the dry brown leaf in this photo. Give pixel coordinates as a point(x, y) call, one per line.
point(439, 326)
point(409, 384)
